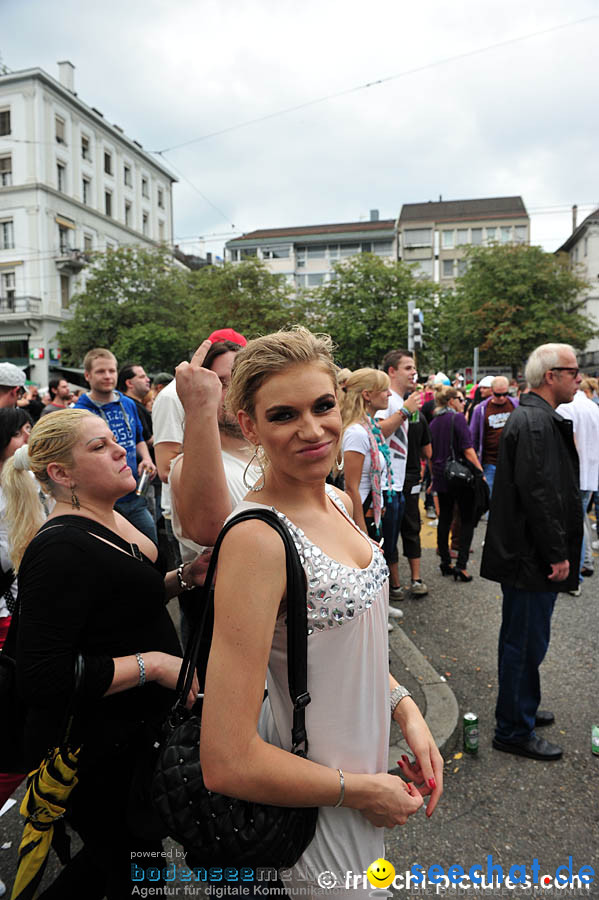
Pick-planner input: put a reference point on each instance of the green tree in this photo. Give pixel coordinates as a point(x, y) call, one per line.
point(365, 308)
point(511, 299)
point(144, 306)
point(135, 302)
point(244, 296)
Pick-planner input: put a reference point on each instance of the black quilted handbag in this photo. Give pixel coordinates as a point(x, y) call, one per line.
point(457, 474)
point(216, 830)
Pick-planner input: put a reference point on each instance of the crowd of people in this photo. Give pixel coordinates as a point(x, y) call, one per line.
point(345, 458)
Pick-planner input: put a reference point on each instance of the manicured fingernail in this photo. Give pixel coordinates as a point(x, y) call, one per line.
point(431, 783)
point(400, 764)
point(409, 787)
point(405, 758)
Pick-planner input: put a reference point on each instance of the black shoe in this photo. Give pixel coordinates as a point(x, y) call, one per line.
point(533, 748)
point(543, 718)
point(446, 568)
point(458, 575)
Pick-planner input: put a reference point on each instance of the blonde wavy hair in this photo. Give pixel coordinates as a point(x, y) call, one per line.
point(266, 356)
point(353, 405)
point(52, 440)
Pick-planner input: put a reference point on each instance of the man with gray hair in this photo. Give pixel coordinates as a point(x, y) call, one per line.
point(533, 540)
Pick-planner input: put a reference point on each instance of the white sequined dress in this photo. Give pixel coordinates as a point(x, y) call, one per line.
point(348, 719)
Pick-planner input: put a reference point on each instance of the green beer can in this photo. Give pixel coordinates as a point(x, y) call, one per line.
point(470, 733)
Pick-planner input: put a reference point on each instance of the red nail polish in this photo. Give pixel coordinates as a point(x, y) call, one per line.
point(400, 764)
point(405, 758)
point(431, 783)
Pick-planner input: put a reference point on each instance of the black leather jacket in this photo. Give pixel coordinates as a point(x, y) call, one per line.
point(536, 512)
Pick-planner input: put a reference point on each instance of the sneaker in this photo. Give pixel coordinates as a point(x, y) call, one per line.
point(418, 588)
point(576, 593)
point(433, 522)
point(431, 514)
point(594, 526)
point(595, 545)
point(390, 627)
point(397, 593)
point(395, 613)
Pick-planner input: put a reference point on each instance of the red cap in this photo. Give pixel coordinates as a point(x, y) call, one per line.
point(227, 334)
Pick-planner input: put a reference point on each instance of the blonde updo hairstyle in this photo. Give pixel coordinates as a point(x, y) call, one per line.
point(52, 440)
point(271, 354)
point(446, 394)
point(353, 405)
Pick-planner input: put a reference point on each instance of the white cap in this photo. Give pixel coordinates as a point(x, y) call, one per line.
point(487, 381)
point(11, 376)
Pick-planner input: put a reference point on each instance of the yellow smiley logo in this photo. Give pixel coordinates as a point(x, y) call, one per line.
point(380, 873)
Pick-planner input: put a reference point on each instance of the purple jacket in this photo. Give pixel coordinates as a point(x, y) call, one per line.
point(477, 424)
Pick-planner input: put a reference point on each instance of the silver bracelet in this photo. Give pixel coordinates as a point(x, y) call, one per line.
point(341, 790)
point(183, 584)
point(397, 694)
point(142, 669)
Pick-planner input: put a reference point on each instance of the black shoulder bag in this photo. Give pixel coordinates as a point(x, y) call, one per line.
point(457, 474)
point(224, 831)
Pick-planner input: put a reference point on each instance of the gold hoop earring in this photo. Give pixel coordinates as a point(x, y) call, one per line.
point(258, 457)
point(74, 499)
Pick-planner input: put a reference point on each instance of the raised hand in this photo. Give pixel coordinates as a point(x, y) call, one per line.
point(198, 387)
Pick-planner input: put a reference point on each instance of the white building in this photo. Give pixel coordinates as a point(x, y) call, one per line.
point(582, 248)
point(70, 183)
point(433, 236)
point(305, 254)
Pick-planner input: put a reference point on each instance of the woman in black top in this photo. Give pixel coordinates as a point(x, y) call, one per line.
point(90, 583)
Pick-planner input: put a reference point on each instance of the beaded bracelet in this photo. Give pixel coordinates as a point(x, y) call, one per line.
point(341, 790)
point(142, 669)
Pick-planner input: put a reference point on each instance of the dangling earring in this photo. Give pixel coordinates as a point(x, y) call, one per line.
point(74, 499)
point(339, 461)
point(259, 459)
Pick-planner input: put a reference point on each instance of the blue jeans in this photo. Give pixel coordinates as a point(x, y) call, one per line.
point(489, 470)
point(391, 524)
point(523, 642)
point(136, 510)
point(585, 554)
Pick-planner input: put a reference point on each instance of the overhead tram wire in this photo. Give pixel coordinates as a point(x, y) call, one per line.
point(196, 188)
point(378, 81)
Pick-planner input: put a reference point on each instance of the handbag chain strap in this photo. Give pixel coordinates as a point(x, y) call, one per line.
point(451, 449)
point(297, 628)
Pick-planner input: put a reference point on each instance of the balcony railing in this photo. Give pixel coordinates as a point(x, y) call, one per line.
point(20, 306)
point(70, 260)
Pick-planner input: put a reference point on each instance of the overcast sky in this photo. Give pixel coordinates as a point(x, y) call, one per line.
point(514, 119)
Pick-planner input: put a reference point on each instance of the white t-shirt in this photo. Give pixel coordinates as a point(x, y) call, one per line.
point(234, 469)
point(584, 415)
point(168, 424)
point(398, 441)
point(355, 437)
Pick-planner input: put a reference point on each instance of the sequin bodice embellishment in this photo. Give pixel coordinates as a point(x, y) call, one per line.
point(336, 593)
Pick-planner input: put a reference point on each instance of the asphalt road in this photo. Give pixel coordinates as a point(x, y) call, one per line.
point(495, 804)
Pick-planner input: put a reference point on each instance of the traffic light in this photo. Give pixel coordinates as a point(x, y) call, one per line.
point(417, 337)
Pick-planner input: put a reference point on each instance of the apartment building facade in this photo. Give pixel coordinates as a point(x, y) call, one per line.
point(70, 184)
point(305, 255)
point(582, 248)
point(433, 236)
